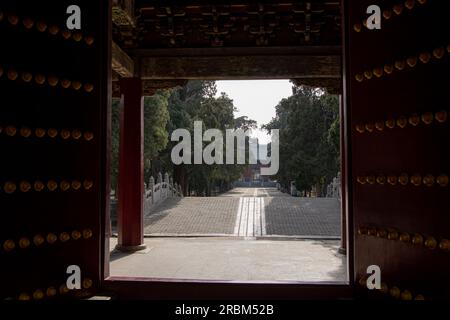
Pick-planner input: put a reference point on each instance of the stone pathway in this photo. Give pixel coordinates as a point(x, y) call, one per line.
point(246, 212)
point(233, 259)
point(250, 218)
point(207, 239)
point(317, 217)
point(193, 216)
point(255, 192)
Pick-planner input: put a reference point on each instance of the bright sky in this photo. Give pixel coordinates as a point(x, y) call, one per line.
point(256, 99)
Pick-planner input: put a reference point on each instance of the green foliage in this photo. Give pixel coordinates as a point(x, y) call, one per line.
point(309, 138)
point(197, 102)
point(244, 123)
point(179, 108)
point(156, 116)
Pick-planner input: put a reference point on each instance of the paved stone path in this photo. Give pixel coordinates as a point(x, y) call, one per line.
point(250, 218)
point(232, 259)
point(193, 216)
point(246, 212)
point(318, 217)
point(255, 192)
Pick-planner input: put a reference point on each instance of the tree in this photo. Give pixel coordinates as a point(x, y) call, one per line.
point(309, 147)
point(156, 117)
point(179, 108)
point(197, 101)
point(184, 108)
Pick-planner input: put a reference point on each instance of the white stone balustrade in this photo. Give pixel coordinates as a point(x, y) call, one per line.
point(155, 193)
point(334, 188)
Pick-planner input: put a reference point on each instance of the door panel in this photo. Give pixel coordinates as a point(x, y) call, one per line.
point(53, 136)
point(397, 90)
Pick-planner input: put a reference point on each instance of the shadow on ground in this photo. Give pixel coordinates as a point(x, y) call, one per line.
point(232, 259)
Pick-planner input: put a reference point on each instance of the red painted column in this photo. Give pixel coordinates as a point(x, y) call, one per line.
point(131, 166)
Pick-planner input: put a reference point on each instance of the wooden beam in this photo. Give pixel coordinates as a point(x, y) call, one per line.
point(122, 64)
point(236, 51)
point(149, 87)
point(241, 67)
point(237, 5)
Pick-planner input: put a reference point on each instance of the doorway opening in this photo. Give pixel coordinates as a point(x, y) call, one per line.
point(230, 221)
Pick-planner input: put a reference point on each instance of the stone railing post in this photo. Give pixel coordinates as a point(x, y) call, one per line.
point(151, 185)
point(166, 182)
point(159, 180)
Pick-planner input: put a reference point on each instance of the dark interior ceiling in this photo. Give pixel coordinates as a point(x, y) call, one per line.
point(147, 24)
point(234, 39)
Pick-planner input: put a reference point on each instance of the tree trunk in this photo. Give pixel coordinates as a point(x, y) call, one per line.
point(180, 177)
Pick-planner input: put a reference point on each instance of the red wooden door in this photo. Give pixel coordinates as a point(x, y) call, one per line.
point(397, 91)
point(54, 96)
